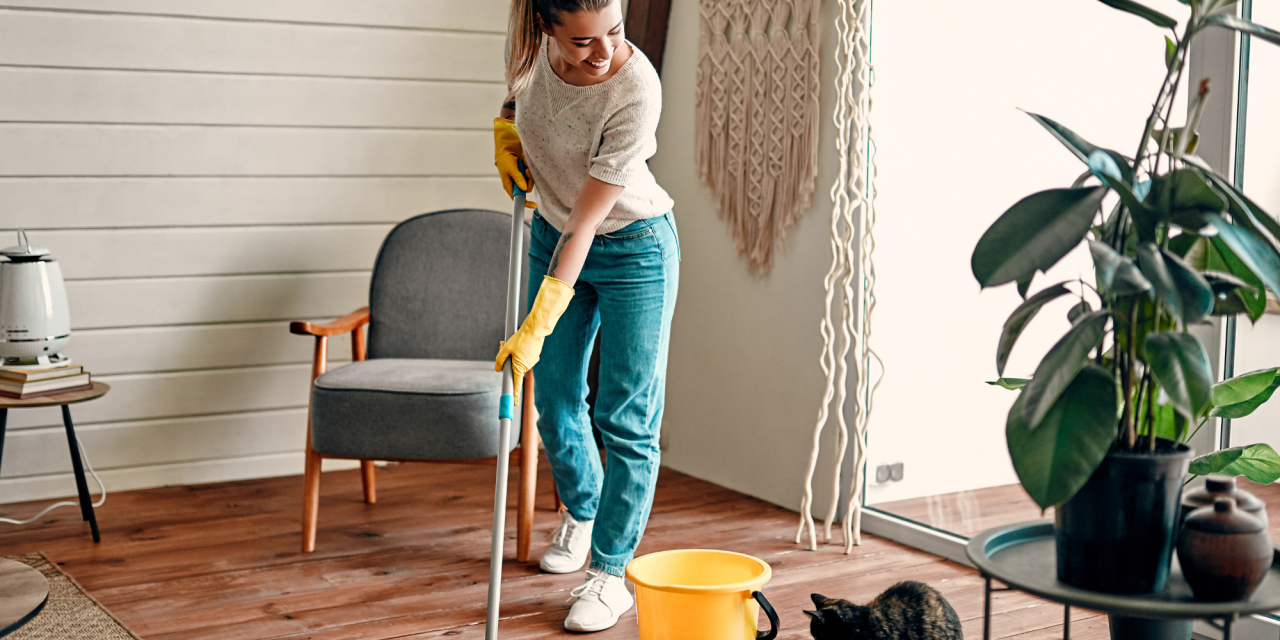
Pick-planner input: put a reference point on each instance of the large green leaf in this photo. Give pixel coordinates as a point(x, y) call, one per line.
point(1153, 16)
point(1191, 247)
point(1081, 147)
point(1180, 364)
point(1243, 26)
point(1169, 424)
point(1218, 256)
point(1186, 294)
point(1060, 366)
point(1079, 311)
point(1019, 319)
point(1257, 462)
point(1253, 252)
point(1034, 234)
point(1243, 387)
point(1144, 218)
point(1222, 282)
point(1228, 290)
point(1245, 407)
point(1183, 196)
point(1249, 215)
point(1116, 273)
point(1056, 459)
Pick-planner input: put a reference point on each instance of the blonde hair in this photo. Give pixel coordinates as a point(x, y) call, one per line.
point(524, 35)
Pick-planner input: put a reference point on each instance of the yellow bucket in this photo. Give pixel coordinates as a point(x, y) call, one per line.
point(701, 594)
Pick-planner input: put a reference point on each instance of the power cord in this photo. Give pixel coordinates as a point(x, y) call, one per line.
point(101, 500)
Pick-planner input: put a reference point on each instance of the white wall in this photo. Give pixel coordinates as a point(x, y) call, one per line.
point(954, 152)
point(208, 170)
point(743, 384)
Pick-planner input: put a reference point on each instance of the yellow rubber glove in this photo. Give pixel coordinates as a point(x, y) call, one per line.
point(525, 345)
point(507, 153)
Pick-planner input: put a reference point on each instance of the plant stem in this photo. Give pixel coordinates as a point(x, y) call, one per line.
point(1193, 433)
point(1170, 79)
point(1131, 365)
point(1151, 410)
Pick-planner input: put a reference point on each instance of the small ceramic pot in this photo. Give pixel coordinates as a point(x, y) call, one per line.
point(1224, 552)
point(1217, 486)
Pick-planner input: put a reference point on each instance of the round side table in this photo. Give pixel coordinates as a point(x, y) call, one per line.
point(1024, 557)
point(23, 593)
point(63, 400)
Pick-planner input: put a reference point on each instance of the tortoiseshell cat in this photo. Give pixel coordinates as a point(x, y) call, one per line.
point(905, 611)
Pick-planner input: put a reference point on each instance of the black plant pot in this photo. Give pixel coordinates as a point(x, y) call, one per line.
point(1117, 534)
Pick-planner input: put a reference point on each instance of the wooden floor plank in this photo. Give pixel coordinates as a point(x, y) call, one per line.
point(967, 513)
point(222, 561)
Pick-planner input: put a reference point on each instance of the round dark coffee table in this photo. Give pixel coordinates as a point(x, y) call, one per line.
point(23, 592)
point(1024, 557)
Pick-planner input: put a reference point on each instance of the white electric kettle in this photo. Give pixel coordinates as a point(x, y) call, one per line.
point(34, 321)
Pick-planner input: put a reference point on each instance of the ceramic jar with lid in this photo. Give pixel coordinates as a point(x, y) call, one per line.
point(1224, 552)
point(1219, 486)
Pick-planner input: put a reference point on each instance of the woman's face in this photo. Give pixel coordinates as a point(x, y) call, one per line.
point(587, 40)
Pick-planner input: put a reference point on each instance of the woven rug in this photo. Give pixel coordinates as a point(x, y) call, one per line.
point(70, 613)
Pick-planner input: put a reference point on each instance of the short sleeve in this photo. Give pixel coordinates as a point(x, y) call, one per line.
point(629, 138)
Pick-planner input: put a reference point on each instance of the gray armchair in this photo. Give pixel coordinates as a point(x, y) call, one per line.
point(426, 389)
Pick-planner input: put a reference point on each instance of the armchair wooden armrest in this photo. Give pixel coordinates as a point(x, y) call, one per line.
point(345, 324)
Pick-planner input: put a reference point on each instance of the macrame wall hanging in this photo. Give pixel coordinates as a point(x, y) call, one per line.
point(852, 273)
point(757, 117)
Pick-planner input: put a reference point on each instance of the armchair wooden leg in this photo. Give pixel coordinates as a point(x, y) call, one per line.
point(310, 501)
point(367, 471)
point(528, 473)
point(311, 476)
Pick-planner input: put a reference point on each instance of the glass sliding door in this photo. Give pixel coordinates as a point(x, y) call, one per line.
point(1257, 346)
point(954, 151)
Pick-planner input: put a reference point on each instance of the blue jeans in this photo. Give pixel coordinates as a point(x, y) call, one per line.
point(627, 290)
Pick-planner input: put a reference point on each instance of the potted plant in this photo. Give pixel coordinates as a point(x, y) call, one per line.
point(1100, 430)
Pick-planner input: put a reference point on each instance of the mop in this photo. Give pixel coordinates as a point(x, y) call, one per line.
point(505, 413)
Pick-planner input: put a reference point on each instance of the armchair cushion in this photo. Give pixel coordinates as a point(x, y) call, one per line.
point(408, 409)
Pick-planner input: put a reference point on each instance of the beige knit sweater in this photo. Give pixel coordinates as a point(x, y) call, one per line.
point(607, 131)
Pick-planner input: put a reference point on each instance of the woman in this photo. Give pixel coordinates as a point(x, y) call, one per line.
point(582, 114)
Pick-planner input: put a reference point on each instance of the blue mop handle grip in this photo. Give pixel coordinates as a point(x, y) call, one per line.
point(524, 171)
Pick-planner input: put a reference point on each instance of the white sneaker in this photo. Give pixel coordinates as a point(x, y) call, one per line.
point(569, 546)
point(601, 601)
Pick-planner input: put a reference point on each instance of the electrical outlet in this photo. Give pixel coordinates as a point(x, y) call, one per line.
point(889, 472)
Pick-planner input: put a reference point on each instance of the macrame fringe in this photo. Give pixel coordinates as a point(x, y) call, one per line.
point(757, 117)
point(852, 246)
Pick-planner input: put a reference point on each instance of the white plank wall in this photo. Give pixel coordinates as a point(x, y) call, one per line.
point(206, 171)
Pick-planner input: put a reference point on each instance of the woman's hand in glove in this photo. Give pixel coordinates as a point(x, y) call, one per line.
point(507, 156)
point(525, 346)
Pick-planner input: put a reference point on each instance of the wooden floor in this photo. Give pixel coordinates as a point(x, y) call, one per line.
point(222, 561)
point(969, 512)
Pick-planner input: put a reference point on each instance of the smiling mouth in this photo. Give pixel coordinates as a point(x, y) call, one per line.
point(597, 65)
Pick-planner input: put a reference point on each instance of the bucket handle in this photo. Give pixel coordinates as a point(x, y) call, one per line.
point(768, 611)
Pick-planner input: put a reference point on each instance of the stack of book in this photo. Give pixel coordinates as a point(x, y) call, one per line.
point(24, 382)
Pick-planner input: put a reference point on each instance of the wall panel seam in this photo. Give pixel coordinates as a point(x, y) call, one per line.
point(94, 488)
point(218, 227)
point(226, 275)
point(198, 18)
point(179, 416)
point(264, 74)
point(225, 176)
point(218, 125)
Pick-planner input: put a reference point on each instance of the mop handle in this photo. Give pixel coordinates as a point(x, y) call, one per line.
point(505, 414)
